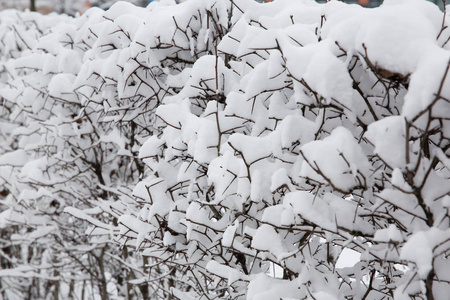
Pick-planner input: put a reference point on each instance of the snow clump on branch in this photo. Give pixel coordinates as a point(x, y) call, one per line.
point(235, 150)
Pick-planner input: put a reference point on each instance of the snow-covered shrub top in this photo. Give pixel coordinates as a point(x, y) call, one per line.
point(262, 143)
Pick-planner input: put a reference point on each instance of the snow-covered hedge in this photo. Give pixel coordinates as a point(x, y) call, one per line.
point(226, 150)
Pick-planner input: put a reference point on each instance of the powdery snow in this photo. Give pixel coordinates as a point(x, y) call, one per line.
point(251, 151)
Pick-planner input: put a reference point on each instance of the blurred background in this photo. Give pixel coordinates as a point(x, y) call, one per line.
point(72, 7)
point(375, 3)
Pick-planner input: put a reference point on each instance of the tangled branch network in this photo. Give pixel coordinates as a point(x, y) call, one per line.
point(226, 149)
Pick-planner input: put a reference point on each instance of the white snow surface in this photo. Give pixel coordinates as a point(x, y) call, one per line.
point(293, 132)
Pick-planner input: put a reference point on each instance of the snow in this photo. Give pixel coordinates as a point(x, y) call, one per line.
point(277, 150)
point(151, 147)
point(420, 248)
point(80, 214)
point(8, 215)
point(228, 235)
point(16, 158)
point(61, 85)
point(388, 235)
point(337, 158)
point(324, 296)
point(311, 208)
point(397, 38)
point(263, 287)
point(232, 275)
point(289, 133)
point(267, 239)
point(42, 231)
point(251, 148)
point(425, 83)
point(326, 75)
point(384, 135)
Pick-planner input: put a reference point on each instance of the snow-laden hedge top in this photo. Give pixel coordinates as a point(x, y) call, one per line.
point(242, 149)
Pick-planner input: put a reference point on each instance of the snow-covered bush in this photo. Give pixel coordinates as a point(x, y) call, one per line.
point(78, 101)
point(231, 149)
point(57, 153)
